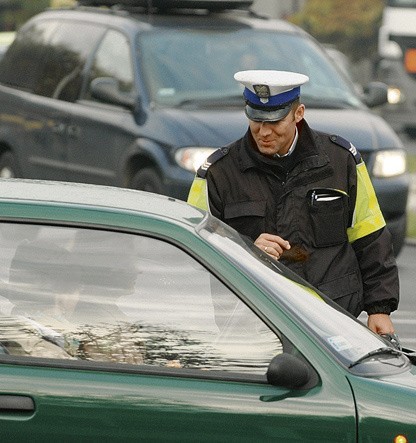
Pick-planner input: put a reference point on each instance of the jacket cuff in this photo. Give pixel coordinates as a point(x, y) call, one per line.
point(379, 308)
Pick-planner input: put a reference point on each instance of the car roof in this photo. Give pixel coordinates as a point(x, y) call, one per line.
point(68, 194)
point(130, 21)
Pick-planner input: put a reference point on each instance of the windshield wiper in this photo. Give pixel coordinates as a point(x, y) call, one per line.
point(383, 350)
point(234, 100)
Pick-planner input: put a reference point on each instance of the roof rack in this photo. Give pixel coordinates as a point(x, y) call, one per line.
point(210, 5)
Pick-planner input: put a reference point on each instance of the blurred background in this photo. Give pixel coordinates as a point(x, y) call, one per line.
point(349, 27)
point(359, 35)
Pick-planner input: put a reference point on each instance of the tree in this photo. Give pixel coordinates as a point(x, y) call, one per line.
point(352, 26)
point(14, 13)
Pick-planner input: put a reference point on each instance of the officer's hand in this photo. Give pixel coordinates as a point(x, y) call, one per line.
point(272, 244)
point(380, 324)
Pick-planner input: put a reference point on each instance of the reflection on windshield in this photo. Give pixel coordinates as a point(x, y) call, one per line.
point(184, 66)
point(343, 336)
point(402, 3)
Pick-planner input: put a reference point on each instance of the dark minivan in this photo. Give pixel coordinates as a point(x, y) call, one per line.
point(137, 96)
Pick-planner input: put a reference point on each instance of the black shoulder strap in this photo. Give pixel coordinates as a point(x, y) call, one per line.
point(346, 145)
point(214, 157)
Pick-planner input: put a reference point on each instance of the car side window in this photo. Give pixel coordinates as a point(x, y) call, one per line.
point(113, 59)
point(79, 294)
point(22, 65)
point(67, 52)
point(48, 58)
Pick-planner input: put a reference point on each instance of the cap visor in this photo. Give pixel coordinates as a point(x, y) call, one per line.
point(259, 115)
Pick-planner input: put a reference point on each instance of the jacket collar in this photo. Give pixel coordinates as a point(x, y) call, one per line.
point(306, 152)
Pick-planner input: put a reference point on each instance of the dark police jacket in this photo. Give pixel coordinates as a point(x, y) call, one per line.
point(321, 200)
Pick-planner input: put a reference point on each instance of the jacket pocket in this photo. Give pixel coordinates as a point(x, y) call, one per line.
point(346, 291)
point(328, 211)
point(247, 218)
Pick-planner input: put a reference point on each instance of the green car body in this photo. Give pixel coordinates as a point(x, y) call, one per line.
point(338, 398)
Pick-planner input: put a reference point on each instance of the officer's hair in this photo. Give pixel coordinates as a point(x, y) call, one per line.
point(295, 104)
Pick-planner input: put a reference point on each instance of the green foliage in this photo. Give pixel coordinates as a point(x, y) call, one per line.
point(411, 215)
point(411, 224)
point(17, 12)
point(352, 26)
point(411, 163)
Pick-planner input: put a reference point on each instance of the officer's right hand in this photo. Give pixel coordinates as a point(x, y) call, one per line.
point(272, 244)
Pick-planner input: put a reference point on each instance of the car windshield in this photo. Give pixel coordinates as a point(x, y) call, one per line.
point(402, 3)
point(194, 67)
point(344, 336)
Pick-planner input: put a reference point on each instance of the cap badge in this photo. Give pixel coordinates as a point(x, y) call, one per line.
point(263, 92)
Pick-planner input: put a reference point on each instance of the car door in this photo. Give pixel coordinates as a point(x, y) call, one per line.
point(37, 125)
point(118, 337)
point(105, 131)
point(54, 54)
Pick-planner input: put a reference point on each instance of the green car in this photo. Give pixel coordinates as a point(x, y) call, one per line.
point(130, 316)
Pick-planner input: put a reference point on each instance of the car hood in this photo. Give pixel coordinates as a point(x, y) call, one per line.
point(201, 127)
point(213, 127)
point(364, 129)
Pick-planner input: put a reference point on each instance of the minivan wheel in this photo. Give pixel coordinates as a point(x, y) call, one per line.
point(8, 166)
point(148, 179)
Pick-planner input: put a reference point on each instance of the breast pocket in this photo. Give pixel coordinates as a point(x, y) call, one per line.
point(247, 218)
point(328, 211)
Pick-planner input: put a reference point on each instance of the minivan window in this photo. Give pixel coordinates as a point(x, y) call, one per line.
point(48, 58)
point(21, 66)
point(402, 3)
point(184, 65)
point(67, 52)
point(113, 59)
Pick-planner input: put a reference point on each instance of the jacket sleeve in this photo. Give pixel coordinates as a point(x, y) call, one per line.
point(379, 272)
point(372, 244)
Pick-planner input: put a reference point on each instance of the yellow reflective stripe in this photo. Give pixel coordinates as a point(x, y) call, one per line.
point(310, 290)
point(198, 194)
point(367, 214)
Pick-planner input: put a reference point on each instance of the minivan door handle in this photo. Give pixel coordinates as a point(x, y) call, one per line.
point(74, 131)
point(16, 403)
point(59, 128)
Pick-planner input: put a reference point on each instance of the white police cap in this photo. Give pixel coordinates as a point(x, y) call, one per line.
point(269, 94)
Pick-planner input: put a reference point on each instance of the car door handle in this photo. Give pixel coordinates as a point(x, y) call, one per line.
point(73, 131)
point(16, 403)
point(59, 128)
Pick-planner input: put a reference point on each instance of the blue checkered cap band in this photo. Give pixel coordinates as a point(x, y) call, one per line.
point(269, 94)
point(273, 101)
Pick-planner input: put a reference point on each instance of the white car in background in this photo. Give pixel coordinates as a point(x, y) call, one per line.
point(6, 39)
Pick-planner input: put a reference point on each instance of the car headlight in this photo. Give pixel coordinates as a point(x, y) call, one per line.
point(394, 95)
point(389, 163)
point(192, 158)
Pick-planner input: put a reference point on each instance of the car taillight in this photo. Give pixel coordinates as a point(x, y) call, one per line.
point(410, 60)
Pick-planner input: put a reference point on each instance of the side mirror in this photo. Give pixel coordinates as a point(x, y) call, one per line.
point(375, 94)
point(287, 371)
point(107, 90)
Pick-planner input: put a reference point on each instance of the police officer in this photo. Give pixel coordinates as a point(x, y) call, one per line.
point(305, 198)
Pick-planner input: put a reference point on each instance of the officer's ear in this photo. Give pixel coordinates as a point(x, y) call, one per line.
point(299, 112)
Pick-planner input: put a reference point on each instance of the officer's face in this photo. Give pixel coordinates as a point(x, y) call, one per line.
point(276, 137)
